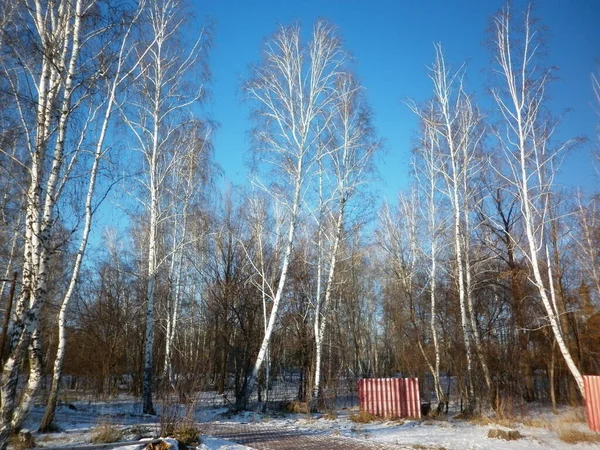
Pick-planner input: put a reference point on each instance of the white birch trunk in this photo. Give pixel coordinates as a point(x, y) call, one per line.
point(34, 382)
point(521, 112)
point(289, 246)
point(147, 406)
point(65, 27)
point(321, 323)
point(459, 260)
point(58, 362)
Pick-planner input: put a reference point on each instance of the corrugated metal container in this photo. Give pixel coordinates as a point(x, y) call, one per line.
point(390, 397)
point(592, 401)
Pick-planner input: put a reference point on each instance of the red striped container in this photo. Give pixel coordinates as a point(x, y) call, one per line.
point(592, 401)
point(390, 397)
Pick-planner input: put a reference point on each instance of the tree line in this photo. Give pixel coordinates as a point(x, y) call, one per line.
point(485, 270)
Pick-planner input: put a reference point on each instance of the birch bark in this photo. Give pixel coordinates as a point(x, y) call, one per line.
point(291, 90)
point(524, 139)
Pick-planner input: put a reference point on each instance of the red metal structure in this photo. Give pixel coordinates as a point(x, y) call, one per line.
point(390, 397)
point(592, 401)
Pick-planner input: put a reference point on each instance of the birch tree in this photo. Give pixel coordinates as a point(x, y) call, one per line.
point(290, 91)
point(457, 122)
point(189, 177)
point(53, 59)
point(164, 95)
point(524, 135)
point(428, 178)
point(120, 75)
point(348, 157)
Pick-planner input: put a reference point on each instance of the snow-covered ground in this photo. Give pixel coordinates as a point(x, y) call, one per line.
point(538, 427)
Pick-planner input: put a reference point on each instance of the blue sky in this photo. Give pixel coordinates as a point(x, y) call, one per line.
point(392, 42)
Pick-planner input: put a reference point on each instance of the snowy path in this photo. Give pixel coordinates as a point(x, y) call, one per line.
point(271, 437)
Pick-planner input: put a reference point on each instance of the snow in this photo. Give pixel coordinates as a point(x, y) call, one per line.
point(446, 433)
point(210, 443)
point(78, 420)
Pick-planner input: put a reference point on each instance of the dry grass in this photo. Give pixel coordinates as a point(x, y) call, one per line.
point(21, 441)
point(106, 432)
point(536, 423)
point(187, 433)
point(362, 417)
point(577, 415)
point(485, 420)
point(162, 445)
point(181, 428)
point(510, 435)
point(571, 435)
point(330, 415)
point(297, 407)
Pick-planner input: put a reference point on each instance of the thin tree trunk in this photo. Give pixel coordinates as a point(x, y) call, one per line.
point(320, 332)
point(280, 287)
point(34, 382)
point(147, 406)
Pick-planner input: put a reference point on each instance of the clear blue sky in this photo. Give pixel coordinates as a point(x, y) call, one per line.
point(393, 43)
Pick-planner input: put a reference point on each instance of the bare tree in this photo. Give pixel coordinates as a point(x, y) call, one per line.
point(188, 179)
point(291, 90)
point(525, 138)
point(164, 95)
point(48, 57)
point(428, 178)
point(457, 121)
point(120, 75)
point(348, 158)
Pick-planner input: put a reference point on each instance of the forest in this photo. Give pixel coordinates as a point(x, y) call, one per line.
point(485, 271)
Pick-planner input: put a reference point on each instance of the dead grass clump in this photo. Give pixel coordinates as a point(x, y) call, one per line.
point(330, 415)
point(187, 433)
point(21, 441)
point(510, 435)
point(106, 432)
point(296, 406)
point(181, 428)
point(575, 416)
point(536, 423)
point(162, 445)
point(570, 435)
point(484, 420)
point(363, 417)
point(476, 420)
